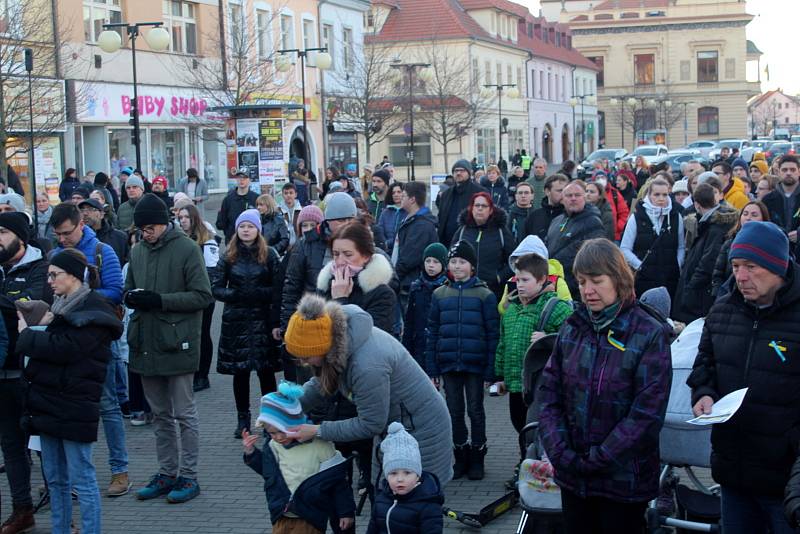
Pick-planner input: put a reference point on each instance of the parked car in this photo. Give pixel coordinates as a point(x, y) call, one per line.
point(795, 139)
point(779, 148)
point(759, 145)
point(703, 146)
point(611, 154)
point(652, 154)
point(739, 144)
point(676, 157)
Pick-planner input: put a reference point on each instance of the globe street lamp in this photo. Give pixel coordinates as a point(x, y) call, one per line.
point(110, 41)
point(322, 61)
point(592, 100)
point(424, 75)
point(512, 92)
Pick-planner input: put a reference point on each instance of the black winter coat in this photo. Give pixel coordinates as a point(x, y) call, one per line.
point(538, 222)
point(722, 267)
point(567, 234)
point(67, 370)
point(416, 319)
point(498, 190)
point(693, 296)
point(659, 251)
point(307, 259)
point(116, 239)
point(416, 232)
point(250, 313)
point(791, 501)
point(755, 450)
point(275, 231)
point(451, 203)
point(493, 244)
point(417, 512)
point(67, 187)
point(516, 221)
point(232, 206)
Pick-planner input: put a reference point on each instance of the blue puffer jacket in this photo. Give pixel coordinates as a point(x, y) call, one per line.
point(110, 271)
point(418, 512)
point(390, 220)
point(419, 304)
point(323, 497)
point(463, 329)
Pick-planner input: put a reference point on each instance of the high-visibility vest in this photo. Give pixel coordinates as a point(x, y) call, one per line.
point(526, 162)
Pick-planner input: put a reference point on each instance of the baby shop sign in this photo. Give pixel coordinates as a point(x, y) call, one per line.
point(157, 106)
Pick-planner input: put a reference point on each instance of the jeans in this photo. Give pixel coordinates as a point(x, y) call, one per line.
point(121, 375)
point(456, 385)
point(111, 415)
point(747, 513)
point(172, 401)
point(14, 442)
point(241, 387)
point(599, 515)
point(68, 464)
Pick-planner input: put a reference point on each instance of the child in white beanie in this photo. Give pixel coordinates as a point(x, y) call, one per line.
point(409, 499)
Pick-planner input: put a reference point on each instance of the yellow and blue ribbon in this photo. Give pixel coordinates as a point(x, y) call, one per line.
point(779, 349)
point(615, 342)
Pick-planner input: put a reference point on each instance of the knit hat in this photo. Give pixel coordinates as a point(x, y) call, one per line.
point(310, 213)
point(252, 216)
point(739, 162)
point(400, 451)
point(14, 200)
point(659, 299)
point(705, 176)
point(70, 263)
point(335, 186)
point(339, 206)
point(281, 409)
point(134, 181)
point(461, 164)
point(17, 223)
point(309, 333)
point(127, 170)
point(763, 243)
point(351, 167)
point(181, 200)
point(761, 165)
point(159, 180)
point(436, 251)
point(463, 249)
point(150, 210)
point(681, 186)
point(759, 156)
point(383, 175)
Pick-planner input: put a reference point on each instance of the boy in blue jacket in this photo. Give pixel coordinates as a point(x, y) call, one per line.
point(305, 482)
point(463, 329)
point(409, 500)
point(432, 277)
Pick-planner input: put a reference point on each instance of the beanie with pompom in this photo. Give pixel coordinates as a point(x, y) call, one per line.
point(400, 451)
point(310, 332)
point(281, 409)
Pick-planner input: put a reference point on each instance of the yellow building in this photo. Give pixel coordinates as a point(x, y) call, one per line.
point(671, 70)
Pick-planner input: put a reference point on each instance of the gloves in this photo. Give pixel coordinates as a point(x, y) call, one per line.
point(143, 300)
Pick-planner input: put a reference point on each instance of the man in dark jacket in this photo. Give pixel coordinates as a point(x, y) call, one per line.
point(167, 287)
point(783, 202)
point(416, 232)
point(693, 296)
point(24, 277)
point(520, 210)
point(538, 222)
point(235, 202)
point(455, 199)
point(93, 216)
point(376, 202)
point(101, 180)
point(568, 231)
point(750, 340)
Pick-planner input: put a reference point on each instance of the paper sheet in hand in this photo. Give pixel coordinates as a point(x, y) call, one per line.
point(722, 410)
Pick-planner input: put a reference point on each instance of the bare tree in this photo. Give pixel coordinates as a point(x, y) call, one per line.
point(362, 96)
point(761, 119)
point(650, 112)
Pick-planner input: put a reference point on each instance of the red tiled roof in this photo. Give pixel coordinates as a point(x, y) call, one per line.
point(417, 20)
point(549, 50)
point(631, 4)
point(503, 5)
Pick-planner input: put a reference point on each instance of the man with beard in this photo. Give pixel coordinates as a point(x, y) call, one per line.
point(93, 214)
point(377, 199)
point(538, 222)
point(134, 187)
point(783, 202)
point(455, 199)
point(24, 277)
point(539, 177)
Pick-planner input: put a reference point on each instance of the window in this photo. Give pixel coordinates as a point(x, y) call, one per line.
point(474, 74)
point(563, 88)
point(707, 67)
point(347, 48)
point(287, 32)
point(95, 14)
point(549, 86)
point(520, 85)
point(499, 72)
point(541, 83)
point(237, 27)
point(600, 62)
point(308, 34)
point(509, 74)
point(179, 21)
point(644, 67)
point(708, 121)
point(327, 39)
point(370, 15)
point(399, 147)
point(11, 18)
point(486, 140)
point(487, 72)
point(263, 40)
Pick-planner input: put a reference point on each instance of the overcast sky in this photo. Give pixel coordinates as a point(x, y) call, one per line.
point(775, 31)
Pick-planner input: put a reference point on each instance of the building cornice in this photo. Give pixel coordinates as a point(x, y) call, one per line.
point(664, 26)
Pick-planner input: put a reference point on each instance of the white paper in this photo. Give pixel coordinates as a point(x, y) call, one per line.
point(722, 410)
point(35, 443)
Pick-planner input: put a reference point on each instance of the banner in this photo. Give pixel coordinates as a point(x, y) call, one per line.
point(271, 161)
point(247, 150)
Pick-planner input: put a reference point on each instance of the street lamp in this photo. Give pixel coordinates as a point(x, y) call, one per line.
point(512, 92)
point(685, 121)
point(574, 102)
point(613, 101)
point(110, 41)
point(31, 156)
point(411, 69)
point(322, 61)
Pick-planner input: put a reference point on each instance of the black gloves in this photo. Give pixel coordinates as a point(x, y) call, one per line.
point(143, 300)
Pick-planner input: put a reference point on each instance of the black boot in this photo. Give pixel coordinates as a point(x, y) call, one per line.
point(243, 424)
point(476, 455)
point(461, 453)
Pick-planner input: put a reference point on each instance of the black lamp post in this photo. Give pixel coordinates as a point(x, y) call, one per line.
point(32, 154)
point(574, 102)
point(410, 69)
point(499, 87)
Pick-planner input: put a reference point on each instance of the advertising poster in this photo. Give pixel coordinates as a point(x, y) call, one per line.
point(270, 163)
point(231, 159)
point(437, 180)
point(247, 150)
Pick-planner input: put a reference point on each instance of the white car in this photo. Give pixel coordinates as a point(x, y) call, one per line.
point(741, 144)
point(702, 147)
point(652, 154)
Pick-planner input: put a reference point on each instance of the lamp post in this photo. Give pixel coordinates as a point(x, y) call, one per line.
point(32, 154)
point(322, 61)
point(110, 41)
point(685, 121)
point(613, 101)
point(512, 93)
point(410, 69)
point(574, 102)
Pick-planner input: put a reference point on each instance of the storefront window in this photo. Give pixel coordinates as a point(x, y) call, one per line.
point(214, 159)
point(122, 151)
point(168, 157)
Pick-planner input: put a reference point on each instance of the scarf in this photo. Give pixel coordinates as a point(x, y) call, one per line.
point(64, 304)
point(657, 215)
point(602, 319)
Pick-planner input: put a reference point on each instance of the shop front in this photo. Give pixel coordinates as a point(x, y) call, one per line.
point(177, 132)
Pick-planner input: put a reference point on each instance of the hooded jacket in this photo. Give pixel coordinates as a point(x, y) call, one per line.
point(416, 232)
point(693, 297)
point(107, 264)
point(451, 203)
point(391, 218)
point(418, 511)
point(619, 208)
point(555, 272)
point(305, 262)
point(735, 195)
point(493, 244)
point(602, 407)
point(566, 235)
point(386, 385)
point(753, 451)
point(416, 319)
point(498, 190)
point(538, 222)
point(516, 221)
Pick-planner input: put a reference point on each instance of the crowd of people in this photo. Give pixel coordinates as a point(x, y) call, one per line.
point(390, 314)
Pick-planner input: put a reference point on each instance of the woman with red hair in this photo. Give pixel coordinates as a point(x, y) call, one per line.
point(484, 225)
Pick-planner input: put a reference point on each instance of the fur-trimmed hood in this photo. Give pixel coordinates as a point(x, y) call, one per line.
point(378, 271)
point(497, 219)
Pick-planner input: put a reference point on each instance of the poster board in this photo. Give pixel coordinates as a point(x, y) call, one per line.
point(271, 167)
point(437, 180)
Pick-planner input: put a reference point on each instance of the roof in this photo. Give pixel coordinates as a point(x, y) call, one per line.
point(631, 4)
point(752, 48)
point(548, 50)
point(503, 5)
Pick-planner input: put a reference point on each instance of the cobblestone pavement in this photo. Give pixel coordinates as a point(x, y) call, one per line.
point(232, 498)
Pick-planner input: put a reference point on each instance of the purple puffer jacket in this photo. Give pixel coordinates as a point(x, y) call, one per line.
point(603, 398)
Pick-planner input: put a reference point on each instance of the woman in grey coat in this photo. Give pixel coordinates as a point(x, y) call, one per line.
point(196, 188)
point(375, 371)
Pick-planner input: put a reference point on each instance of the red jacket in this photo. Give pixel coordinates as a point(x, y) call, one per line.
point(619, 208)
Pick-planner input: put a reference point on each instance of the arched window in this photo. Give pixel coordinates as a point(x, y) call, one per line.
point(708, 121)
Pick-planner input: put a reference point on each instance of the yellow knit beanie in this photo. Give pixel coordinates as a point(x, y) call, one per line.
point(759, 156)
point(761, 165)
point(308, 337)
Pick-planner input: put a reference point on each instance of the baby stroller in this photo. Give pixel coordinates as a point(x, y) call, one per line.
point(539, 496)
point(684, 446)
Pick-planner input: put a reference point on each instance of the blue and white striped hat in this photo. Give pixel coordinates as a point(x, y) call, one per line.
point(281, 409)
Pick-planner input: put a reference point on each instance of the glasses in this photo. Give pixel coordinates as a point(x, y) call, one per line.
point(481, 206)
point(68, 232)
point(52, 275)
point(149, 229)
